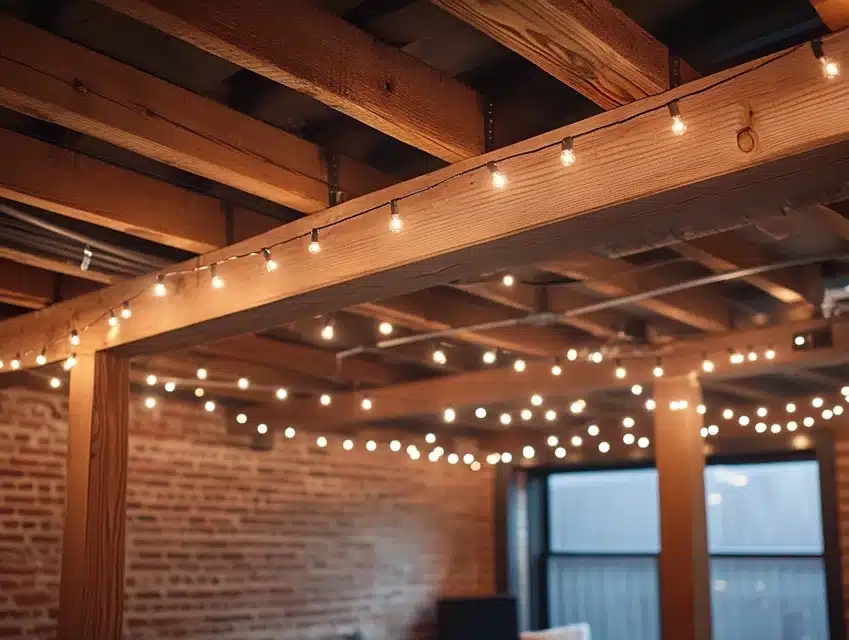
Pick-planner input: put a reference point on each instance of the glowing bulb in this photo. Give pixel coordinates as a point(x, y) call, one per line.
point(519, 365)
point(126, 312)
point(769, 354)
point(703, 432)
point(743, 421)
point(70, 362)
point(151, 380)
point(679, 128)
point(508, 280)
point(528, 452)
point(790, 408)
point(209, 405)
point(243, 383)
point(552, 441)
point(629, 438)
point(776, 428)
point(577, 407)
point(499, 181)
point(241, 418)
point(621, 372)
point(572, 355)
point(439, 356)
point(762, 411)
point(348, 445)
point(593, 430)
point(55, 383)
point(556, 370)
point(792, 426)
point(844, 391)
point(489, 357)
point(199, 392)
point(728, 414)
point(707, 365)
point(637, 389)
point(415, 454)
point(430, 438)
point(270, 263)
point(480, 413)
point(828, 414)
point(536, 400)
point(628, 422)
point(577, 441)
point(567, 152)
point(760, 427)
point(735, 357)
point(281, 394)
point(150, 402)
point(395, 445)
point(596, 357)
point(159, 289)
point(701, 409)
point(830, 68)
point(327, 331)
point(658, 369)
point(325, 400)
point(817, 402)
point(838, 410)
point(314, 247)
point(506, 457)
point(453, 458)
point(321, 441)
point(526, 414)
point(75, 338)
point(551, 415)
point(643, 443)
point(289, 432)
point(366, 404)
point(113, 319)
point(604, 447)
point(468, 458)
point(396, 224)
point(713, 430)
point(216, 280)
point(505, 419)
point(808, 422)
point(560, 452)
point(475, 466)
point(651, 405)
point(799, 341)
point(16, 362)
point(752, 356)
point(202, 374)
point(385, 328)
point(449, 415)
point(41, 358)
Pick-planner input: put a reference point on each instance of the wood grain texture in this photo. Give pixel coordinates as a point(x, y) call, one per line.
point(26, 286)
point(56, 266)
point(592, 47)
point(684, 567)
point(834, 13)
point(630, 184)
point(50, 78)
point(700, 307)
point(327, 58)
point(91, 599)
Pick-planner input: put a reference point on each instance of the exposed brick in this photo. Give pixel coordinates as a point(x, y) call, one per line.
point(227, 542)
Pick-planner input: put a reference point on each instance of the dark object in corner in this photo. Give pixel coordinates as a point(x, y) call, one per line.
point(493, 618)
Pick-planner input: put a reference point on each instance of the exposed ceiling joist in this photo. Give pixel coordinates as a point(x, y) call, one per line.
point(56, 266)
point(590, 46)
point(640, 180)
point(299, 46)
point(31, 288)
point(834, 13)
point(53, 79)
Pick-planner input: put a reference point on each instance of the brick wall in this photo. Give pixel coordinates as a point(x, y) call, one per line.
point(226, 542)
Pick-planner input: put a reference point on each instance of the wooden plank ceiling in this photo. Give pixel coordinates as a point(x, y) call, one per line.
point(191, 133)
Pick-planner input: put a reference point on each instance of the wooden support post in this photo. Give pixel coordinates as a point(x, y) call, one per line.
point(91, 596)
point(684, 567)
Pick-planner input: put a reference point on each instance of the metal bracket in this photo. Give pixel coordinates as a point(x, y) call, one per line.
point(674, 71)
point(488, 128)
point(334, 192)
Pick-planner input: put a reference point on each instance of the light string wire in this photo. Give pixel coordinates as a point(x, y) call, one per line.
point(816, 44)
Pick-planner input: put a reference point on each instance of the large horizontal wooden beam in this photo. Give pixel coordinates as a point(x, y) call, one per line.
point(591, 46)
point(324, 56)
point(834, 13)
point(47, 77)
point(31, 288)
point(630, 184)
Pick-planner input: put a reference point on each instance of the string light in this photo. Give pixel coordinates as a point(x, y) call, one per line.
point(604, 447)
point(769, 354)
point(75, 338)
point(385, 328)
point(396, 225)
point(395, 445)
point(621, 371)
point(556, 369)
point(321, 442)
point(505, 419)
point(790, 408)
point(281, 394)
point(701, 409)
point(325, 400)
point(70, 362)
point(526, 414)
point(596, 357)
point(567, 152)
point(830, 68)
point(637, 389)
point(289, 432)
point(453, 458)
point(817, 402)
point(658, 369)
point(439, 356)
point(216, 280)
point(679, 127)
point(199, 392)
point(753, 355)
point(560, 452)
point(707, 364)
point(572, 355)
point(536, 400)
point(113, 319)
point(55, 383)
point(348, 444)
point(151, 379)
point(243, 383)
point(449, 415)
point(499, 181)
point(41, 358)
point(828, 414)
point(528, 452)
point(735, 357)
point(743, 421)
point(628, 422)
point(209, 405)
point(792, 426)
point(150, 402)
point(776, 428)
point(241, 418)
point(577, 441)
point(508, 280)
point(643, 443)
point(651, 405)
point(475, 466)
point(489, 357)
point(468, 458)
point(270, 263)
point(593, 430)
point(629, 438)
point(577, 406)
point(808, 422)
point(760, 427)
point(159, 289)
point(201, 374)
point(551, 415)
point(519, 365)
point(314, 246)
point(16, 362)
point(713, 430)
point(762, 411)
point(327, 331)
point(552, 441)
point(506, 457)
point(480, 413)
point(838, 410)
point(728, 414)
point(366, 404)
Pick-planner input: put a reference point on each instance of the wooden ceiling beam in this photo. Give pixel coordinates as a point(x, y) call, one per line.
point(55, 266)
point(834, 13)
point(53, 79)
point(306, 49)
point(637, 182)
point(698, 308)
point(32, 288)
point(592, 47)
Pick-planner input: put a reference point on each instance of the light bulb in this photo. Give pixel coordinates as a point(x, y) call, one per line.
point(216, 280)
point(55, 383)
point(828, 414)
point(808, 422)
point(552, 441)
point(468, 458)
point(395, 445)
point(572, 355)
point(270, 263)
point(551, 415)
point(637, 389)
point(385, 328)
point(556, 370)
point(327, 331)
point(703, 432)
point(567, 152)
point(489, 357)
point(366, 404)
point(505, 419)
point(604, 447)
point(347, 445)
point(762, 411)
point(170, 386)
point(16, 362)
point(651, 405)
point(735, 357)
point(262, 429)
point(621, 372)
point(506, 457)
point(325, 400)
point(396, 225)
point(151, 379)
point(281, 394)
point(159, 289)
point(536, 400)
point(658, 369)
point(701, 409)
point(596, 357)
point(790, 408)
point(453, 458)
point(321, 442)
point(707, 365)
point(480, 413)
point(528, 452)
point(830, 68)
point(289, 432)
point(776, 428)
point(728, 414)
point(760, 427)
point(75, 338)
point(560, 452)
point(314, 246)
point(629, 438)
point(577, 407)
point(499, 181)
point(792, 426)
point(769, 354)
point(475, 466)
point(371, 445)
point(577, 441)
point(628, 422)
point(526, 414)
point(752, 355)
point(209, 405)
point(508, 280)
point(449, 415)
point(199, 392)
point(41, 358)
point(519, 365)
point(243, 383)
point(70, 362)
point(593, 430)
point(126, 312)
point(241, 418)
point(679, 127)
point(816, 403)
point(643, 443)
point(150, 402)
point(113, 319)
point(439, 356)
point(743, 421)
point(201, 374)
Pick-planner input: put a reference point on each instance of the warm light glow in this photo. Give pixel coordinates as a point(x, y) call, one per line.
point(209, 405)
point(817, 402)
point(643, 443)
point(415, 454)
point(75, 338)
point(281, 394)
point(528, 452)
point(790, 408)
point(159, 289)
point(113, 319)
point(657, 371)
point(70, 362)
point(572, 355)
point(828, 414)
point(577, 441)
point(453, 458)
point(151, 379)
point(289, 432)
point(327, 331)
point(199, 392)
point(243, 383)
point(838, 410)
point(396, 224)
point(769, 354)
point(799, 341)
point(519, 365)
point(493, 458)
point(270, 263)
point(552, 441)
point(15, 363)
point(314, 246)
point(170, 386)
point(628, 422)
point(637, 389)
point(551, 415)
point(395, 445)
point(41, 358)
point(604, 447)
point(560, 452)
point(439, 356)
point(651, 405)
point(701, 409)
point(480, 413)
point(217, 281)
point(508, 280)
point(526, 414)
point(735, 357)
point(728, 414)
point(760, 427)
point(201, 374)
point(808, 422)
point(567, 152)
point(577, 407)
point(762, 411)
point(556, 370)
point(325, 400)
point(321, 441)
point(348, 444)
point(743, 421)
point(505, 418)
point(366, 404)
point(679, 127)
point(150, 402)
point(596, 357)
point(430, 438)
point(713, 430)
point(449, 415)
point(844, 391)
point(506, 457)
point(55, 383)
point(830, 68)
point(593, 430)
point(629, 438)
point(262, 429)
point(776, 428)
point(385, 328)
point(499, 181)
point(371, 445)
point(621, 372)
point(707, 365)
point(469, 458)
point(753, 355)
point(703, 432)
point(489, 357)
point(475, 466)
point(792, 426)
point(241, 418)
